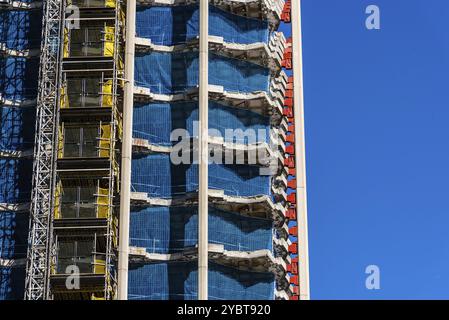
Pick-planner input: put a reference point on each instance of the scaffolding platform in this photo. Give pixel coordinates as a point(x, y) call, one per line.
point(259, 102)
point(267, 55)
point(255, 261)
point(256, 206)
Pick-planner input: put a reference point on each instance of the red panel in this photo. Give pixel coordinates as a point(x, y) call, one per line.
point(287, 64)
point(288, 102)
point(293, 248)
point(289, 162)
point(288, 53)
point(291, 128)
point(288, 112)
point(287, 58)
point(286, 17)
point(292, 268)
point(294, 280)
point(286, 12)
point(293, 231)
point(290, 138)
point(290, 149)
point(291, 198)
point(291, 214)
point(292, 171)
point(289, 93)
point(292, 184)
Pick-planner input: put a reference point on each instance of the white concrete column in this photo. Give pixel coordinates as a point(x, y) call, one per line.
point(203, 239)
point(300, 152)
point(126, 157)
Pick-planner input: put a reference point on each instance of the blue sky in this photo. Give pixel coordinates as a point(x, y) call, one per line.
point(377, 129)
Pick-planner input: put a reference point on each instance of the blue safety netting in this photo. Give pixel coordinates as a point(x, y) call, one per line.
point(157, 176)
point(17, 128)
point(20, 29)
point(179, 281)
point(175, 25)
point(18, 78)
point(171, 229)
point(15, 180)
point(167, 73)
point(13, 235)
point(156, 121)
point(12, 283)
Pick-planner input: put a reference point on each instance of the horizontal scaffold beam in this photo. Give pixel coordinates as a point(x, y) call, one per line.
point(12, 263)
point(268, 55)
point(19, 5)
point(15, 154)
point(15, 207)
point(5, 102)
point(253, 206)
point(260, 102)
point(263, 152)
point(255, 261)
point(8, 52)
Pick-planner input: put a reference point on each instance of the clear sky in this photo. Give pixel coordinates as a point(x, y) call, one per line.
point(377, 129)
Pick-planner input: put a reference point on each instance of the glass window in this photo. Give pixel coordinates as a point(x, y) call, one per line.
point(76, 42)
point(78, 201)
point(86, 41)
point(92, 92)
point(69, 199)
point(72, 137)
point(89, 141)
point(66, 253)
point(77, 252)
point(87, 202)
point(81, 141)
point(84, 92)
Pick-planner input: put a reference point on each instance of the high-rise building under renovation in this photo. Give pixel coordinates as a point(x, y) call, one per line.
point(109, 112)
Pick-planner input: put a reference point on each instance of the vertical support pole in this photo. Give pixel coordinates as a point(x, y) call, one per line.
point(203, 199)
point(44, 165)
point(125, 175)
point(300, 152)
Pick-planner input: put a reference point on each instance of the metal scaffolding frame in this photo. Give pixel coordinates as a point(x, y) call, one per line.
point(79, 65)
point(37, 270)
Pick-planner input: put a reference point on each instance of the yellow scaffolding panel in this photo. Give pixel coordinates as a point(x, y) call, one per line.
point(66, 43)
point(110, 3)
point(109, 35)
point(60, 142)
point(64, 98)
point(105, 140)
point(99, 266)
point(103, 209)
point(57, 209)
point(107, 94)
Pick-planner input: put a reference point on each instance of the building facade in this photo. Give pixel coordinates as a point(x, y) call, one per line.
point(104, 193)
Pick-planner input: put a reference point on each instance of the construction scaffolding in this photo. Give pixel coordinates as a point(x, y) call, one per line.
point(85, 226)
point(37, 284)
point(72, 117)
